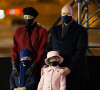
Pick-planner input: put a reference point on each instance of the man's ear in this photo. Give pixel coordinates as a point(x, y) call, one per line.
point(73, 16)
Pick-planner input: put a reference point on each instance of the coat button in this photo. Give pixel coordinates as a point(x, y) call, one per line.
point(59, 50)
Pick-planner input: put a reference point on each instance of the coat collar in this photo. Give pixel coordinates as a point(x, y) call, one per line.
point(58, 31)
point(55, 69)
point(71, 29)
point(33, 35)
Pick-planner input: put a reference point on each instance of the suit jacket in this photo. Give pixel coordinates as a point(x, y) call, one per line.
point(53, 77)
point(20, 41)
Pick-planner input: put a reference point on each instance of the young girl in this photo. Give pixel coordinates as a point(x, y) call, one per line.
point(52, 78)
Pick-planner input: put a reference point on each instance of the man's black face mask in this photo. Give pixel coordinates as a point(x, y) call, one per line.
point(66, 19)
point(29, 22)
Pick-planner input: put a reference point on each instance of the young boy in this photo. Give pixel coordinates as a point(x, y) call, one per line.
point(52, 78)
point(21, 82)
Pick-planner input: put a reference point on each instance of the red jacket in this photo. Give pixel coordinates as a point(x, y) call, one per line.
point(20, 42)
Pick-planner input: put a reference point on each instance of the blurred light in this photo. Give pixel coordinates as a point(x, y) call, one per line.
point(18, 11)
point(8, 11)
point(2, 15)
point(14, 11)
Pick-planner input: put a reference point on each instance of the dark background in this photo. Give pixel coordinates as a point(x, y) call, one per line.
point(93, 65)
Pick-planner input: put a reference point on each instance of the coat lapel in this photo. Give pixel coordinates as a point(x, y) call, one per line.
point(57, 32)
point(28, 38)
point(33, 36)
point(71, 29)
point(55, 69)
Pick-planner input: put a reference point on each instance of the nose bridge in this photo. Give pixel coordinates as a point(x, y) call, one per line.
point(27, 17)
point(66, 13)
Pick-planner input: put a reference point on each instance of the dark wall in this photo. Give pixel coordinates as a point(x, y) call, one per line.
point(5, 70)
point(93, 64)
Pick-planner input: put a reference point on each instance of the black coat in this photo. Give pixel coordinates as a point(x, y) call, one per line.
point(30, 82)
point(72, 47)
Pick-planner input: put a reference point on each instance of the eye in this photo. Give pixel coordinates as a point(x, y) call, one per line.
point(30, 17)
point(63, 13)
point(69, 14)
point(25, 17)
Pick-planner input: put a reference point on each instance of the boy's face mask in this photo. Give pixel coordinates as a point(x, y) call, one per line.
point(54, 63)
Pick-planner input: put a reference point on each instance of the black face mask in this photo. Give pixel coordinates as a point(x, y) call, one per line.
point(67, 19)
point(54, 63)
point(29, 22)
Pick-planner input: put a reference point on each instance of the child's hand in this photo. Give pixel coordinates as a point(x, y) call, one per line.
point(42, 69)
point(17, 88)
point(20, 88)
point(66, 71)
point(23, 88)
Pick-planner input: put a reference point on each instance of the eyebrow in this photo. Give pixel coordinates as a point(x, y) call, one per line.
point(66, 13)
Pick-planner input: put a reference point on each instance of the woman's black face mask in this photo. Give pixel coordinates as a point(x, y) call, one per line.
point(29, 22)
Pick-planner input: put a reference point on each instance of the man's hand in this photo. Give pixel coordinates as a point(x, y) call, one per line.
point(66, 71)
point(42, 69)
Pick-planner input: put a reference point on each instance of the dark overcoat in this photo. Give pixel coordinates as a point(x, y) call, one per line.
point(72, 47)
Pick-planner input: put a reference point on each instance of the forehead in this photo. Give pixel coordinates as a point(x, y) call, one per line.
point(54, 57)
point(28, 16)
point(66, 9)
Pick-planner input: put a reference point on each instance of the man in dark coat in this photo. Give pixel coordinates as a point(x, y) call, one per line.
point(71, 40)
point(31, 36)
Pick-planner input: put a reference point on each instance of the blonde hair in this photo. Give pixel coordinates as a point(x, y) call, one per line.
point(54, 57)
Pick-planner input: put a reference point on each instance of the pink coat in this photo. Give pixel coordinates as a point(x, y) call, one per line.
point(57, 81)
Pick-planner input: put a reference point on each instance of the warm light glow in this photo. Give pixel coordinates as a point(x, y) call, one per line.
point(14, 11)
point(8, 11)
point(2, 15)
point(18, 11)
